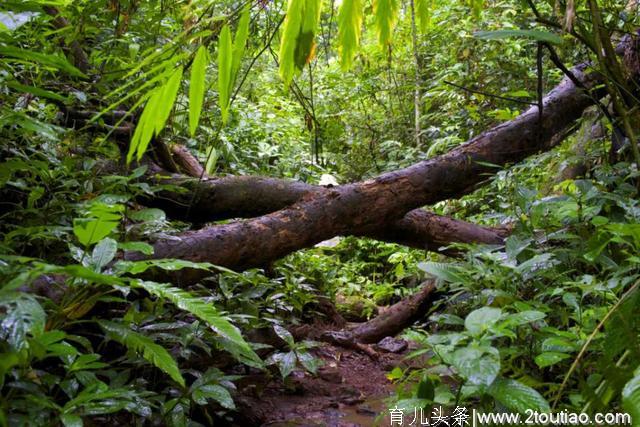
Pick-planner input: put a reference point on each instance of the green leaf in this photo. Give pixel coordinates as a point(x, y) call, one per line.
point(478, 366)
point(518, 397)
point(524, 317)
point(155, 354)
point(631, 397)
point(386, 14)
point(286, 362)
point(558, 344)
point(542, 36)
point(197, 87)
point(141, 247)
point(90, 231)
point(309, 362)
point(213, 391)
point(225, 62)
point(349, 25)
point(71, 420)
point(137, 267)
point(43, 93)
point(20, 315)
point(426, 389)
point(166, 101)
point(202, 310)
point(239, 43)
point(443, 271)
point(549, 358)
point(155, 115)
point(298, 38)
point(481, 319)
point(104, 252)
point(284, 334)
point(54, 61)
point(423, 13)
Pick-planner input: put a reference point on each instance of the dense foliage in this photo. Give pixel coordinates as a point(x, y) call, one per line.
point(318, 92)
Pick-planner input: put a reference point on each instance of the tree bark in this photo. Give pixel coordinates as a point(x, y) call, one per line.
point(367, 207)
point(211, 200)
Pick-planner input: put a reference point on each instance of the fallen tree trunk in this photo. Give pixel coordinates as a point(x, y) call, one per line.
point(250, 196)
point(367, 207)
point(395, 318)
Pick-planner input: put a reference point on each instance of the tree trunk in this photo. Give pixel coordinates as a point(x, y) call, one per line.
point(368, 207)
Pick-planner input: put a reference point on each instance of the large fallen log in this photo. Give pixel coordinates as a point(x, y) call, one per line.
point(367, 207)
point(216, 199)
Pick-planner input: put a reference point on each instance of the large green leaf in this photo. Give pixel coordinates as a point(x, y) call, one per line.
point(349, 26)
point(423, 13)
point(104, 252)
point(542, 36)
point(197, 87)
point(239, 43)
point(155, 115)
point(204, 311)
point(225, 62)
point(479, 366)
point(213, 391)
point(386, 14)
point(155, 354)
point(167, 99)
point(518, 397)
point(298, 39)
point(443, 271)
point(481, 319)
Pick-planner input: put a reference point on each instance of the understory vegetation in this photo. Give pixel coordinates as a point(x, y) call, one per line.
point(91, 92)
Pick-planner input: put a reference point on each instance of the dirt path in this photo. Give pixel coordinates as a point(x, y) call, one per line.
point(348, 391)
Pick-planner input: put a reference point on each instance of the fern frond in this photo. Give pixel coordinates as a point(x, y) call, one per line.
point(153, 353)
point(202, 310)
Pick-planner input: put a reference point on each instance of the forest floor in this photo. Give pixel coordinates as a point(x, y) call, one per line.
point(349, 390)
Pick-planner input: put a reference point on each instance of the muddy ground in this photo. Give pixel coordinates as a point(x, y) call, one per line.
point(348, 391)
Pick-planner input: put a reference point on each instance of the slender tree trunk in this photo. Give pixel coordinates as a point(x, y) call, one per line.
point(416, 67)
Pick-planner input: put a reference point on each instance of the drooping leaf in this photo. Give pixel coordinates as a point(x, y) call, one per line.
point(213, 391)
point(225, 61)
point(167, 99)
point(197, 87)
point(298, 38)
point(386, 14)
point(424, 13)
point(53, 61)
point(104, 252)
point(204, 311)
point(518, 397)
point(292, 24)
point(43, 93)
point(155, 354)
point(538, 35)
point(349, 25)
point(443, 271)
point(239, 43)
